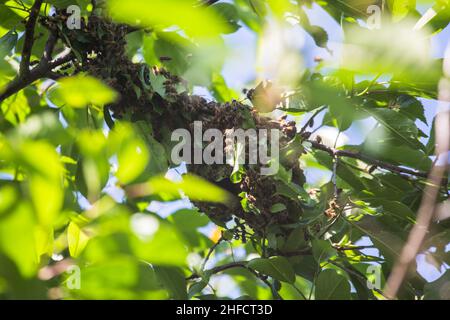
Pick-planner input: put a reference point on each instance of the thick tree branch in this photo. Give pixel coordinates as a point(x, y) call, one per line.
point(42, 70)
point(29, 39)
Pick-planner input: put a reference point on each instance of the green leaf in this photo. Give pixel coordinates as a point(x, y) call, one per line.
point(187, 221)
point(332, 286)
point(396, 129)
point(157, 242)
point(194, 187)
point(157, 82)
point(390, 244)
point(401, 8)
point(201, 22)
point(322, 250)
point(17, 238)
point(77, 239)
point(8, 42)
point(118, 277)
point(80, 91)
point(170, 45)
point(173, 280)
point(278, 207)
point(197, 287)
point(399, 155)
point(42, 163)
point(9, 19)
point(276, 267)
point(295, 240)
point(411, 107)
point(220, 89)
point(131, 150)
point(229, 13)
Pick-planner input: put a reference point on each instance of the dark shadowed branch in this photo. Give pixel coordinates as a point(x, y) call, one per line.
point(29, 39)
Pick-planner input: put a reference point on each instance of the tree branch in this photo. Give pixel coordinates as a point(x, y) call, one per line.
point(238, 264)
point(211, 250)
point(49, 46)
point(29, 39)
point(357, 155)
point(42, 70)
point(310, 121)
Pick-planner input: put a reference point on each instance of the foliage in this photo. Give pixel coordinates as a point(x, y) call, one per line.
point(84, 154)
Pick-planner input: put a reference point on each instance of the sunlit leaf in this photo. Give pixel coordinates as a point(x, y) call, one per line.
point(80, 91)
point(77, 239)
point(197, 21)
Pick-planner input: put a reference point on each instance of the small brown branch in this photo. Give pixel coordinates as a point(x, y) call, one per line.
point(367, 159)
point(29, 39)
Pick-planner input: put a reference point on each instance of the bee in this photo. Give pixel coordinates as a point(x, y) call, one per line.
point(318, 139)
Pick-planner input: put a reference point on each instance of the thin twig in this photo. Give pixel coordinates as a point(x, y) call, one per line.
point(367, 159)
point(275, 294)
point(211, 250)
point(218, 269)
point(311, 120)
point(354, 248)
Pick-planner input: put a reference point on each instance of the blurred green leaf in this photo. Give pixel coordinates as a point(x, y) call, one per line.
point(194, 187)
point(158, 242)
point(17, 238)
point(80, 91)
point(197, 21)
point(132, 153)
